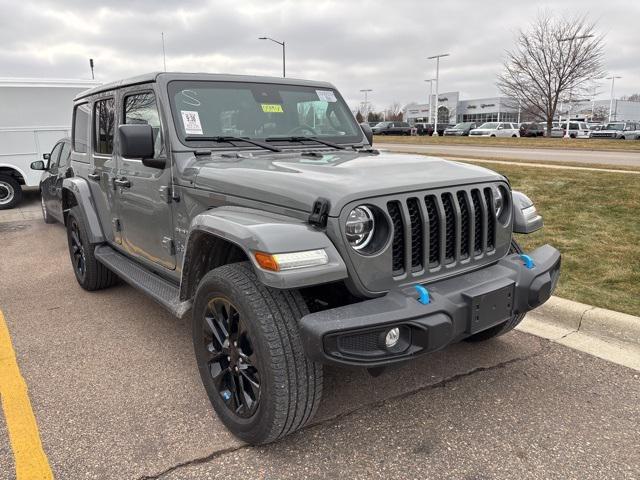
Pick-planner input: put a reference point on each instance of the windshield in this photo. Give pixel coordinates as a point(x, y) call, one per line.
point(205, 110)
point(490, 125)
point(614, 126)
point(382, 124)
point(462, 126)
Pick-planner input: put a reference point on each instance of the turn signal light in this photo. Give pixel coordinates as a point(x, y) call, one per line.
point(288, 261)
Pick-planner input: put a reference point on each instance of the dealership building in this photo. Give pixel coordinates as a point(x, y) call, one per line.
point(503, 109)
point(453, 110)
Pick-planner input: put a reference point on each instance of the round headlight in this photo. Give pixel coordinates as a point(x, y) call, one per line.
point(359, 227)
point(498, 201)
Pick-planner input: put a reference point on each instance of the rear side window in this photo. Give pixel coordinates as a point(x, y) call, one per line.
point(104, 123)
point(81, 128)
point(141, 109)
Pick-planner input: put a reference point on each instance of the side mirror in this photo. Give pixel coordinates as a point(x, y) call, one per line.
point(136, 141)
point(46, 156)
point(39, 164)
point(368, 133)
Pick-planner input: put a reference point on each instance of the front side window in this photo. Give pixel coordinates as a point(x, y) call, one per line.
point(104, 125)
point(54, 158)
point(81, 128)
point(207, 110)
point(64, 155)
point(141, 109)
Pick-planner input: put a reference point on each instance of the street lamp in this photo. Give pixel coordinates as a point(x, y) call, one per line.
point(430, 80)
point(569, 40)
point(279, 43)
point(437, 58)
point(366, 103)
point(613, 81)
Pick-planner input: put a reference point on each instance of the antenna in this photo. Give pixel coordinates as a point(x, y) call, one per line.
point(91, 65)
point(164, 58)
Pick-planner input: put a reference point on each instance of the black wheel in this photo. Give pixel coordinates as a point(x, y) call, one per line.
point(505, 327)
point(250, 356)
point(10, 192)
point(45, 213)
point(91, 274)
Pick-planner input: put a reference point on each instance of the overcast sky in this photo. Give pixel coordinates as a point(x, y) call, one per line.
point(380, 45)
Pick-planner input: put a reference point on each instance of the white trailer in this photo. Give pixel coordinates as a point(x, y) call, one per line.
point(34, 114)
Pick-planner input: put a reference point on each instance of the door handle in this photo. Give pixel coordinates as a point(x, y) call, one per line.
point(93, 176)
point(122, 182)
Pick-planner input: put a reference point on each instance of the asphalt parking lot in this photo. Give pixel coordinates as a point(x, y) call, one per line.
point(116, 394)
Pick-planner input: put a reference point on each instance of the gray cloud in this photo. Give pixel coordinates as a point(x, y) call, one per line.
point(354, 44)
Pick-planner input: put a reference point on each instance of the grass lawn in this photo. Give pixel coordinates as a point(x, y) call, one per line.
point(540, 142)
point(593, 218)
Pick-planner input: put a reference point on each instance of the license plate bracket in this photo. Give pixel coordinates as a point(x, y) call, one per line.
point(489, 305)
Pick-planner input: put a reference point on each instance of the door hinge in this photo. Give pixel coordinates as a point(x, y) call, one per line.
point(320, 213)
point(116, 224)
point(168, 245)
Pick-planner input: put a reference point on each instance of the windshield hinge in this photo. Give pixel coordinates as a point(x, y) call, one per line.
point(320, 213)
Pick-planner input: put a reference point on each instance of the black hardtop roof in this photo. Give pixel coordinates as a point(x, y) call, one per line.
point(219, 77)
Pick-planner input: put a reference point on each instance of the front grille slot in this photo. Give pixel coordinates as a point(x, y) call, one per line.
point(444, 229)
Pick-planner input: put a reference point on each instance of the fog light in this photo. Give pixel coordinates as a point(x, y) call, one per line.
point(392, 337)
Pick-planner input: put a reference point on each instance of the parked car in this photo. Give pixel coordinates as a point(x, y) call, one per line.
point(460, 129)
point(290, 248)
point(392, 128)
point(34, 116)
point(576, 129)
point(424, 128)
point(442, 127)
point(616, 130)
point(55, 168)
point(496, 129)
point(531, 130)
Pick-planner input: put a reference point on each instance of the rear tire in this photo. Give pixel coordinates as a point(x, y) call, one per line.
point(505, 327)
point(10, 192)
point(91, 274)
point(256, 341)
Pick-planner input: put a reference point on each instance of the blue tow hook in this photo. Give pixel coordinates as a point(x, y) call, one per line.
point(528, 261)
point(424, 295)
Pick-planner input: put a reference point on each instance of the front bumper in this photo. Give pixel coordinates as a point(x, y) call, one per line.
point(460, 306)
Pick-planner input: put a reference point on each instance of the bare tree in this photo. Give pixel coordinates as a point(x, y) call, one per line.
point(555, 58)
point(394, 112)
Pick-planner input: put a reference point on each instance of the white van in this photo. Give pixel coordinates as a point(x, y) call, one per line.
point(34, 115)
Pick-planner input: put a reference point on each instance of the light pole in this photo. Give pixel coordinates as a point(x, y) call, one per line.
point(366, 102)
point(283, 48)
point(437, 57)
point(569, 40)
point(430, 80)
point(613, 82)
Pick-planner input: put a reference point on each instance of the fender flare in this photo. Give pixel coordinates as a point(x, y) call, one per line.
point(526, 218)
point(257, 231)
point(79, 188)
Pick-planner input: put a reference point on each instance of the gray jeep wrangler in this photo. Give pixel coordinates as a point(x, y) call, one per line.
point(259, 206)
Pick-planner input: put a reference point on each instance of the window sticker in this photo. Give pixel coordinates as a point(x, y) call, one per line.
point(272, 108)
point(191, 122)
point(326, 96)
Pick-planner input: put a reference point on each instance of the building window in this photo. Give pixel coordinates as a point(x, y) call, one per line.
point(81, 128)
point(104, 123)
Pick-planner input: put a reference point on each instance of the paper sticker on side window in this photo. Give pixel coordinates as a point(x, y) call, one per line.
point(326, 96)
point(271, 108)
point(191, 122)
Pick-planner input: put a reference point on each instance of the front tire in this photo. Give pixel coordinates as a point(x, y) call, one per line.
point(10, 192)
point(250, 355)
point(505, 327)
point(91, 274)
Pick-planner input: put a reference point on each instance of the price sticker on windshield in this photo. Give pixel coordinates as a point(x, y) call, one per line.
point(191, 122)
point(326, 96)
point(272, 108)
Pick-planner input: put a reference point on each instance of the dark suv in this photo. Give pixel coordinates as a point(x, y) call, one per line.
point(531, 130)
point(392, 128)
point(287, 239)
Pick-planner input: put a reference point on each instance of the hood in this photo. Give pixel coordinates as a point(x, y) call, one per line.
point(295, 180)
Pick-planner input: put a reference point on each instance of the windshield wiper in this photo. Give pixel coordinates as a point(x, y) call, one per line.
point(302, 139)
point(228, 139)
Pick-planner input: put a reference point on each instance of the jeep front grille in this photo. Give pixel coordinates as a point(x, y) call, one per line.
point(440, 230)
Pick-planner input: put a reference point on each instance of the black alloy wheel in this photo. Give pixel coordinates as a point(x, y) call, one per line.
point(231, 360)
point(78, 256)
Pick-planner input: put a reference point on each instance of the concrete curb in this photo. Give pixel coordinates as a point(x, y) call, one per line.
point(581, 317)
point(607, 334)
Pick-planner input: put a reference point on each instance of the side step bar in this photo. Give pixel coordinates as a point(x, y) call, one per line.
point(162, 291)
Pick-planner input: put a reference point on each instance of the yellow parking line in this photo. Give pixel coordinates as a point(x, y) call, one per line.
point(30, 459)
